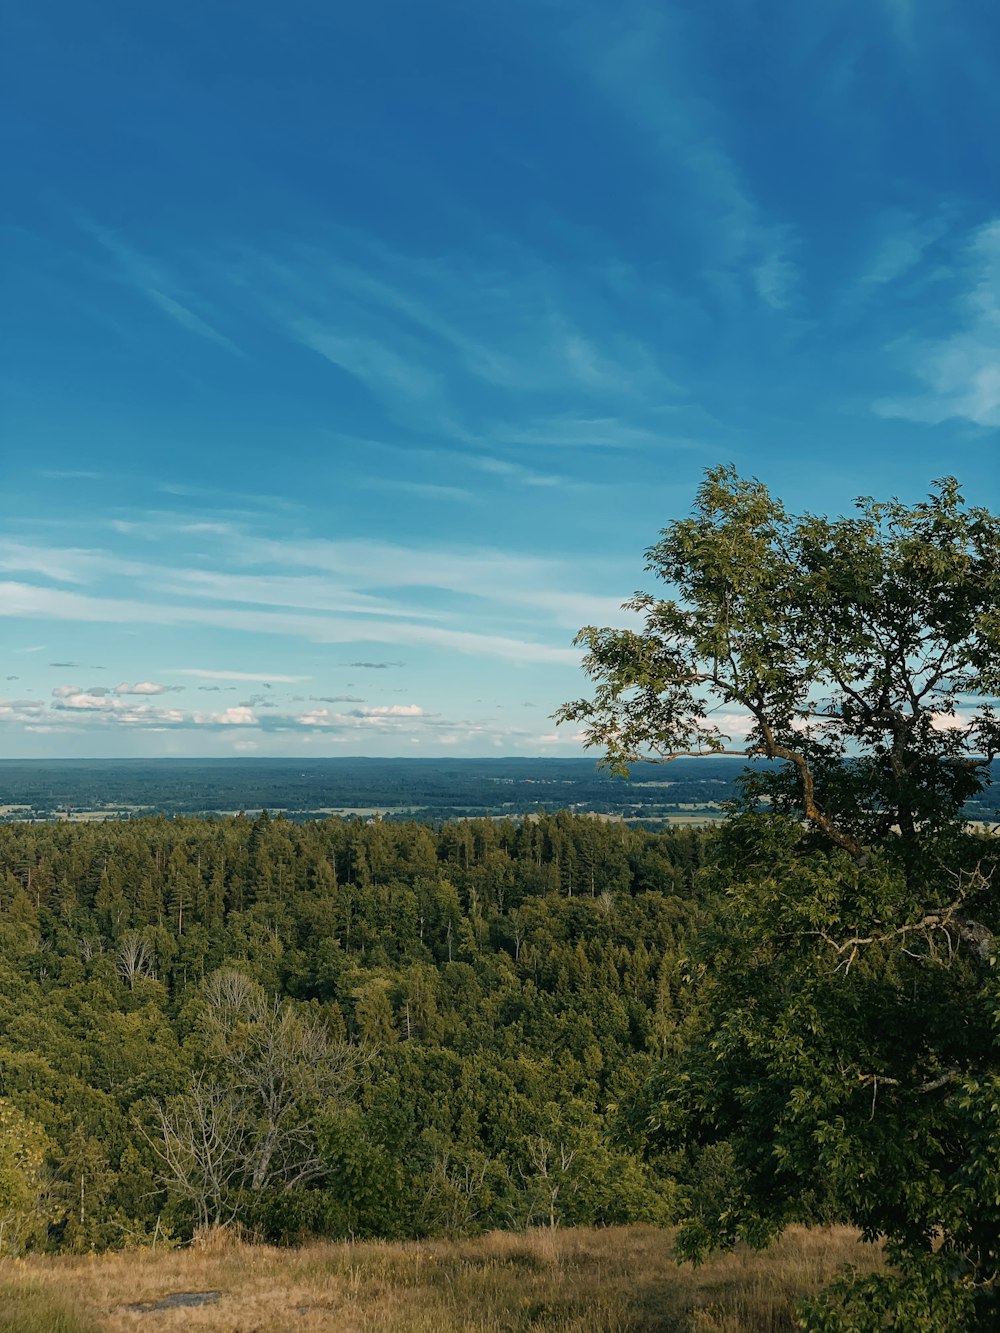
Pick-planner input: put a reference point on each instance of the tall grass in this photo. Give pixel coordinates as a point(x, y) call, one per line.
point(34, 1308)
point(584, 1281)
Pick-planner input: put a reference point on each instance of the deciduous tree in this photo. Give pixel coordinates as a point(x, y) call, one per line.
point(844, 1057)
point(25, 1201)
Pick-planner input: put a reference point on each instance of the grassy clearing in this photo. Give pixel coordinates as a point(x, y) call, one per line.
point(583, 1281)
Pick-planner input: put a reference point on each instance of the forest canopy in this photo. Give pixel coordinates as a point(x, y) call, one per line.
point(339, 1027)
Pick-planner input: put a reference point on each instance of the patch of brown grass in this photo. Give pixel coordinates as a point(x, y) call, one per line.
point(583, 1281)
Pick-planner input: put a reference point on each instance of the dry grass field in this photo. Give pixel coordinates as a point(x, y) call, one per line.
point(584, 1281)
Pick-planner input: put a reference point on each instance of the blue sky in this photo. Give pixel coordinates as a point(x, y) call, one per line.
point(354, 354)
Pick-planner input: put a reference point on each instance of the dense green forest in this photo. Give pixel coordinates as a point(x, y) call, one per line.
point(336, 1027)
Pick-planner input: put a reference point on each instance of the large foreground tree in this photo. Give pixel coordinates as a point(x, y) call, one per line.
point(845, 1058)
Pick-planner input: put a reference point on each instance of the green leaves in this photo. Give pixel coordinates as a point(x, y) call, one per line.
point(851, 650)
point(26, 1207)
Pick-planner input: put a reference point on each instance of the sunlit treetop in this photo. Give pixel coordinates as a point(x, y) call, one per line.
point(863, 652)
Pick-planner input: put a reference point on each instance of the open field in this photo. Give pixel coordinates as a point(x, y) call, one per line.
point(587, 1281)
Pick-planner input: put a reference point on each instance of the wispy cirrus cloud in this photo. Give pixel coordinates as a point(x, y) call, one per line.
point(901, 247)
point(569, 431)
point(435, 339)
point(205, 673)
point(77, 565)
point(479, 459)
point(526, 476)
point(466, 598)
point(494, 575)
point(26, 600)
point(640, 60)
point(960, 368)
point(776, 277)
point(150, 279)
point(383, 368)
point(306, 591)
point(69, 474)
point(422, 490)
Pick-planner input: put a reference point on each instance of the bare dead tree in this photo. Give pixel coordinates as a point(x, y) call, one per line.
point(247, 1122)
point(90, 947)
point(133, 959)
point(227, 994)
point(550, 1163)
point(201, 1141)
